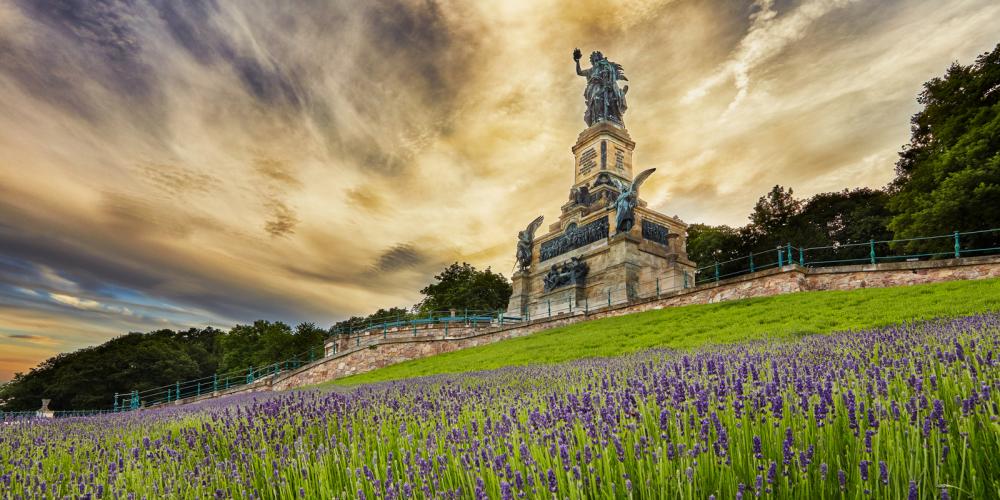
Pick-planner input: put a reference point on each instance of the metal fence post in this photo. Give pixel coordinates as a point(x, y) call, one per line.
point(871, 245)
point(178, 390)
point(802, 259)
point(958, 248)
point(716, 271)
point(751, 262)
point(215, 382)
point(250, 375)
point(791, 259)
point(198, 391)
point(780, 261)
point(116, 402)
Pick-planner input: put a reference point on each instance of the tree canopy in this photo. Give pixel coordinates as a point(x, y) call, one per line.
point(462, 286)
point(948, 176)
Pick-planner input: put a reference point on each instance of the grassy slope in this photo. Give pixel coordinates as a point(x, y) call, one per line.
point(692, 326)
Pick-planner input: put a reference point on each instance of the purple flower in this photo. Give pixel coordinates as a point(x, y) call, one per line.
point(914, 493)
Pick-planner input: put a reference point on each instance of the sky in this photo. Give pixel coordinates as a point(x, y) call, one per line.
point(169, 164)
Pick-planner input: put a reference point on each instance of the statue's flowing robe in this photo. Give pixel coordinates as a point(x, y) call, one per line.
point(602, 85)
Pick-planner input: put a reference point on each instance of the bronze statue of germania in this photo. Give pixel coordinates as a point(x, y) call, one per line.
point(604, 99)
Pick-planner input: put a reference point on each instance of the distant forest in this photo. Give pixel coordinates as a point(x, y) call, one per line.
point(89, 377)
point(947, 179)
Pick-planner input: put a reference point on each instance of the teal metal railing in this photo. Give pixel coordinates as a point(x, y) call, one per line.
point(445, 323)
point(954, 245)
point(6, 416)
point(370, 332)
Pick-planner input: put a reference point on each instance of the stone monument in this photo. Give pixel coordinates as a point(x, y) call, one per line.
point(44, 411)
point(607, 244)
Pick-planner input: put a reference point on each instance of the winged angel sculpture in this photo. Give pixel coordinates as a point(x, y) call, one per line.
point(627, 200)
point(524, 241)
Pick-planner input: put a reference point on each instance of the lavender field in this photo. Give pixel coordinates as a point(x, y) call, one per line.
point(908, 411)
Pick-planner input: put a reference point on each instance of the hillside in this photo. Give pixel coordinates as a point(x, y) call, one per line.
point(692, 326)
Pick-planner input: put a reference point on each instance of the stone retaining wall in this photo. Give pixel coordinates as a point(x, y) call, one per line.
point(788, 279)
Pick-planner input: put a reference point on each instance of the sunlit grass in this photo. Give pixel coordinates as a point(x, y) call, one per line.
point(686, 327)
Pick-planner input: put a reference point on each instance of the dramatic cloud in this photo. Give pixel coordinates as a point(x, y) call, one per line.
point(170, 164)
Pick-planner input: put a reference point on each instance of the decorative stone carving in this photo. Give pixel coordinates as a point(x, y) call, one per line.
point(44, 411)
point(573, 238)
point(656, 233)
point(581, 195)
point(572, 272)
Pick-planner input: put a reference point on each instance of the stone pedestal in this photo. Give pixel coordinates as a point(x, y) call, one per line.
point(44, 411)
point(642, 262)
point(562, 300)
point(521, 295)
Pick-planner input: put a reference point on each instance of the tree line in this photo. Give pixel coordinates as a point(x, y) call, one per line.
point(89, 377)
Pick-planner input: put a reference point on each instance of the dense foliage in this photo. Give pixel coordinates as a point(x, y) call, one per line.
point(778, 218)
point(907, 411)
point(89, 377)
point(461, 287)
point(947, 179)
point(948, 176)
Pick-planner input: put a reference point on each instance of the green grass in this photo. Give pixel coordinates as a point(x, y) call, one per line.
point(688, 327)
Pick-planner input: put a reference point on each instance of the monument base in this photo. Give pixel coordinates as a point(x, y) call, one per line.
point(566, 299)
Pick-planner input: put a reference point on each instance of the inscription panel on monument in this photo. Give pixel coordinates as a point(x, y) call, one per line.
point(654, 232)
point(574, 237)
point(588, 160)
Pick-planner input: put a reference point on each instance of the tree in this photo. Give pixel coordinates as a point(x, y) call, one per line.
point(774, 221)
point(462, 286)
point(708, 244)
point(948, 176)
point(89, 377)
